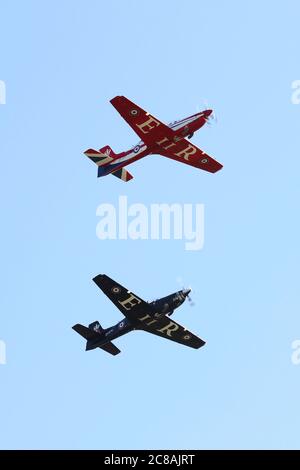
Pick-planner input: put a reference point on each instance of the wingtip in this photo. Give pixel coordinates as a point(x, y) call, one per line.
point(116, 98)
point(218, 169)
point(98, 277)
point(89, 152)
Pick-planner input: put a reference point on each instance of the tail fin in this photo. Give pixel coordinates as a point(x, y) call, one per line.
point(91, 334)
point(96, 327)
point(102, 156)
point(108, 151)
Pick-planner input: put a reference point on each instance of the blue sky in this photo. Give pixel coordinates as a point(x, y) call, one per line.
point(61, 63)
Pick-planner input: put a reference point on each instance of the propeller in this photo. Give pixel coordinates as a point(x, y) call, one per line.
point(191, 302)
point(186, 289)
point(212, 116)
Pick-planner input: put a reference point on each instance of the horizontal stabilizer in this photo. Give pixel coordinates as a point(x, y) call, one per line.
point(102, 156)
point(85, 332)
point(110, 348)
point(123, 174)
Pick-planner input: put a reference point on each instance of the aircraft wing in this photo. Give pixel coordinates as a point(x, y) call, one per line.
point(186, 152)
point(169, 329)
point(128, 303)
point(147, 127)
point(160, 136)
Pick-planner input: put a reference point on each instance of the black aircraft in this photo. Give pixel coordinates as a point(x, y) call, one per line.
point(139, 315)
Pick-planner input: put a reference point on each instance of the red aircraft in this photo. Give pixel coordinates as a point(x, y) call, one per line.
point(169, 141)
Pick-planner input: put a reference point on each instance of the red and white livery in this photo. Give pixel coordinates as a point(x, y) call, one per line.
point(156, 138)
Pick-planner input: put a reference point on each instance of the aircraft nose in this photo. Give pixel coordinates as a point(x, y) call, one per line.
point(208, 112)
point(186, 292)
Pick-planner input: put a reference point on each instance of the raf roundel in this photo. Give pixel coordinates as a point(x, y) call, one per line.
point(116, 290)
point(121, 325)
point(204, 160)
point(186, 337)
point(134, 112)
point(136, 149)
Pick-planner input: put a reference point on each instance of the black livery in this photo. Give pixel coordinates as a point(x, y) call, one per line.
point(152, 317)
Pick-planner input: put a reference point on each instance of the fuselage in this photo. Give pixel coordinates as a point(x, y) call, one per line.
point(160, 307)
point(183, 128)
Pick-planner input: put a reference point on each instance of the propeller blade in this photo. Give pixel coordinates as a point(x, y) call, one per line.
point(179, 280)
